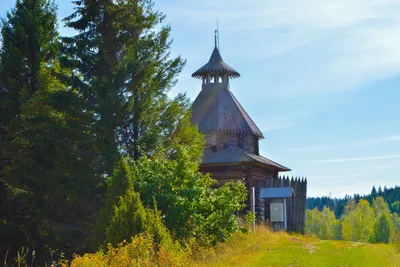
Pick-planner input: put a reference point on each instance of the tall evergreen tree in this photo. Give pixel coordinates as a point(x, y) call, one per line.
point(124, 70)
point(45, 159)
point(29, 42)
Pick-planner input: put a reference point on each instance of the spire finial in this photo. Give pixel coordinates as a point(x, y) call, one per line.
point(218, 34)
point(215, 38)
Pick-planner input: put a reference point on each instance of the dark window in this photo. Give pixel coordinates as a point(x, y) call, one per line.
point(257, 152)
point(241, 141)
point(214, 148)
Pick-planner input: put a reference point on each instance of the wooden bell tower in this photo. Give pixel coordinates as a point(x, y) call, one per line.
point(232, 138)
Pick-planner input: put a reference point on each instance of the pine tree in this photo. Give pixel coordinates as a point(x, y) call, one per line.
point(373, 192)
point(380, 191)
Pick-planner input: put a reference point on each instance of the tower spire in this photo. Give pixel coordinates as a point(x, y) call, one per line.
point(215, 38)
point(216, 66)
point(219, 48)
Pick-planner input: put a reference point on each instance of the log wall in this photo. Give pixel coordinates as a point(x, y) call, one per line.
point(219, 141)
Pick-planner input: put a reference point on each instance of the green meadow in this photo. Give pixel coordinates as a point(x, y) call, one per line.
point(263, 248)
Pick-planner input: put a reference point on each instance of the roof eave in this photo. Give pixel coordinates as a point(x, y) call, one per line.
point(200, 74)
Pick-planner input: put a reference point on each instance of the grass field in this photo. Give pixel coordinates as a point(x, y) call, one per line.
point(264, 248)
point(259, 248)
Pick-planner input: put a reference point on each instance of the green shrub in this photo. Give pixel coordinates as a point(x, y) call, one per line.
point(124, 215)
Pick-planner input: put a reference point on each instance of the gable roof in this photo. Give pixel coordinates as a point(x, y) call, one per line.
point(282, 192)
point(218, 111)
point(233, 154)
point(215, 64)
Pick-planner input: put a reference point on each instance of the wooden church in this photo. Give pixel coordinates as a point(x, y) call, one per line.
point(232, 144)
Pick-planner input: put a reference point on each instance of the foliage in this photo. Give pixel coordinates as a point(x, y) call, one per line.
point(130, 218)
point(138, 252)
point(358, 224)
point(313, 222)
point(124, 214)
point(395, 206)
point(396, 222)
point(189, 204)
point(322, 224)
point(249, 218)
point(121, 55)
point(44, 165)
point(383, 229)
point(380, 207)
point(383, 225)
point(90, 139)
point(390, 195)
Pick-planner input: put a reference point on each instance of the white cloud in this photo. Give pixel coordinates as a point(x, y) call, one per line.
point(353, 143)
point(319, 45)
point(385, 167)
point(341, 160)
point(278, 122)
point(322, 177)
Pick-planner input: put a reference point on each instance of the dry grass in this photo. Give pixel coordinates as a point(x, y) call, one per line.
point(259, 248)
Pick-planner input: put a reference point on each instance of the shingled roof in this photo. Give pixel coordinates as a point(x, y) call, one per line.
point(218, 111)
point(214, 65)
point(234, 154)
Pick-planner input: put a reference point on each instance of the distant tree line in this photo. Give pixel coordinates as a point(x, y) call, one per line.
point(360, 222)
point(337, 205)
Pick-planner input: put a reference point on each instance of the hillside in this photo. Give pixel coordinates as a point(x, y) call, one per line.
point(280, 249)
point(259, 248)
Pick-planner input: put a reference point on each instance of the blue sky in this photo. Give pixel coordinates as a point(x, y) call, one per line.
point(321, 79)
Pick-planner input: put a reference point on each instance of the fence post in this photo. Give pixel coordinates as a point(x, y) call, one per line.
point(253, 206)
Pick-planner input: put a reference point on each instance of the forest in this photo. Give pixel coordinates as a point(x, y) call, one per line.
point(337, 205)
point(373, 218)
point(94, 154)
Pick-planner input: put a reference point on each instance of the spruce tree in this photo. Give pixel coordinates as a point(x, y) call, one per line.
point(45, 156)
point(29, 42)
point(380, 191)
point(373, 192)
point(124, 71)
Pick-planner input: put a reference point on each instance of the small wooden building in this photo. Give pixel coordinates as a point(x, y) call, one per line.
point(277, 198)
point(232, 140)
